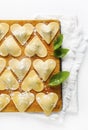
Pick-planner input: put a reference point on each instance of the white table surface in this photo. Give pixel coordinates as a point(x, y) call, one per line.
point(23, 9)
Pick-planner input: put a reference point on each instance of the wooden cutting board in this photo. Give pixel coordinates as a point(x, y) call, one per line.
point(34, 107)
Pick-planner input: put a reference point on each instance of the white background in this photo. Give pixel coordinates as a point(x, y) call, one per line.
point(23, 9)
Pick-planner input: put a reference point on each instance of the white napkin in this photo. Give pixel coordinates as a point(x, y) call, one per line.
point(74, 40)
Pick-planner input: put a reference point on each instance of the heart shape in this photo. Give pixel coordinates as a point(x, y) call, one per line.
point(32, 81)
point(49, 31)
point(2, 64)
point(4, 101)
point(20, 68)
point(22, 100)
point(22, 33)
point(8, 81)
point(4, 28)
point(44, 68)
point(9, 46)
point(35, 47)
point(47, 101)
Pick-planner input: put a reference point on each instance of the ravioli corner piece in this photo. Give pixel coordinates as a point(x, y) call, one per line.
point(22, 100)
point(2, 64)
point(8, 81)
point(44, 68)
point(22, 33)
point(20, 67)
point(48, 31)
point(35, 47)
point(47, 101)
point(32, 81)
point(4, 101)
point(10, 46)
point(4, 28)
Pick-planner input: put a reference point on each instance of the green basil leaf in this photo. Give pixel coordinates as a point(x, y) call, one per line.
point(58, 78)
point(61, 52)
point(58, 42)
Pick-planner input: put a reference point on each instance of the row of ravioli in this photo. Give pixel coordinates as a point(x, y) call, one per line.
point(23, 33)
point(24, 100)
point(10, 47)
point(32, 79)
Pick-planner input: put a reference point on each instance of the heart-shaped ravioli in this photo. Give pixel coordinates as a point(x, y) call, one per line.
point(49, 31)
point(44, 68)
point(35, 47)
point(20, 68)
point(22, 100)
point(4, 28)
point(8, 81)
point(32, 81)
point(4, 101)
point(9, 46)
point(22, 33)
point(47, 101)
point(2, 64)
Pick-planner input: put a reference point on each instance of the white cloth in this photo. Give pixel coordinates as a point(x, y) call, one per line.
point(74, 40)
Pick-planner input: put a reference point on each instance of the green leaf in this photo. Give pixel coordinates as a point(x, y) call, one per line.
point(60, 52)
point(58, 42)
point(58, 78)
